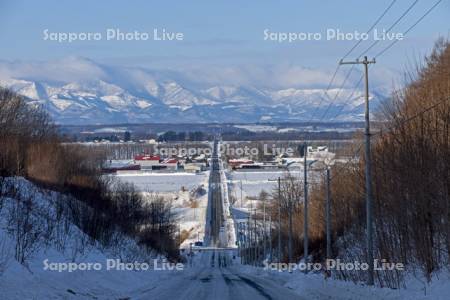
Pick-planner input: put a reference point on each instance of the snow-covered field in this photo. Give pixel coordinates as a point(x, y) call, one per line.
point(160, 182)
point(189, 207)
point(253, 183)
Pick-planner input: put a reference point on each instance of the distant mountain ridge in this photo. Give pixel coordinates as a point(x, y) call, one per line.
point(133, 95)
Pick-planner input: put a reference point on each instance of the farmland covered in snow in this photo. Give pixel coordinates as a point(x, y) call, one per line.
point(159, 182)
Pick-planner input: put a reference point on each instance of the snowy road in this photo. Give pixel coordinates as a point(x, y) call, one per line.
point(214, 276)
point(215, 273)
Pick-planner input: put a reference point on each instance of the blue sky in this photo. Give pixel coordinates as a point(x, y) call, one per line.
point(215, 32)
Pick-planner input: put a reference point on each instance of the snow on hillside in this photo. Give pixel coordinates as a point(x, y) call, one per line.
point(32, 280)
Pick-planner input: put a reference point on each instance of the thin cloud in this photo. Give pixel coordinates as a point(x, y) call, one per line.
point(281, 76)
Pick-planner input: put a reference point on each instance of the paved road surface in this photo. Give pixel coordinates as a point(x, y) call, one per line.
point(215, 276)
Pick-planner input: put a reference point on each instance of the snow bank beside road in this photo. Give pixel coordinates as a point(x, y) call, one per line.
point(315, 286)
point(229, 222)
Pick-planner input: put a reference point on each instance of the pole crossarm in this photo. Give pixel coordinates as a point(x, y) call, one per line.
point(358, 62)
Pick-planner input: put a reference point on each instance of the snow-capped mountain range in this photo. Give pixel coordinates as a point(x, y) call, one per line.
point(80, 91)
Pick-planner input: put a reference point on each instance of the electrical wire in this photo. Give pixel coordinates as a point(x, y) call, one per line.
point(409, 29)
point(391, 27)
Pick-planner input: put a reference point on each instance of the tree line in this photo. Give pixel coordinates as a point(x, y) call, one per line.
point(31, 147)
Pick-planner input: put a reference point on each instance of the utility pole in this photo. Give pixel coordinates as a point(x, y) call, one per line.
point(250, 254)
point(256, 241)
point(264, 229)
point(279, 217)
point(305, 211)
point(248, 241)
point(244, 242)
point(240, 240)
point(179, 236)
point(290, 230)
point(327, 214)
point(241, 192)
point(369, 225)
point(270, 238)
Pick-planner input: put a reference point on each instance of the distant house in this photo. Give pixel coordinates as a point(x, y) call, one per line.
point(170, 163)
point(315, 153)
point(147, 160)
point(194, 167)
point(236, 163)
point(154, 162)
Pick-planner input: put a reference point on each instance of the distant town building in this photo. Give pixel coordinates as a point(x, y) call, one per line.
point(146, 160)
point(236, 163)
point(154, 162)
point(194, 167)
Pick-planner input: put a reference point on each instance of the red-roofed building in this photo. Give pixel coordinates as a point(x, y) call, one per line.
point(146, 160)
point(170, 161)
point(147, 157)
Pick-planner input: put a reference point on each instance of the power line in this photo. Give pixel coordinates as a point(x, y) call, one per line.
point(338, 92)
point(370, 29)
point(389, 130)
point(411, 118)
point(334, 76)
point(345, 165)
point(349, 98)
point(409, 29)
point(348, 53)
point(368, 180)
point(392, 26)
point(392, 44)
point(382, 52)
point(325, 93)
